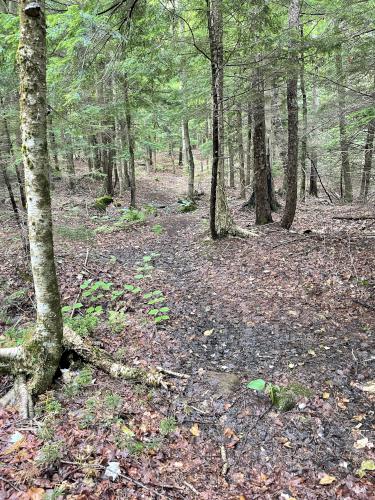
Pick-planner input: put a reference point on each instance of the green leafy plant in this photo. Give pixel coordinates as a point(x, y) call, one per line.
point(134, 215)
point(103, 202)
point(50, 453)
point(284, 398)
point(158, 229)
point(167, 426)
point(187, 205)
point(117, 320)
point(80, 233)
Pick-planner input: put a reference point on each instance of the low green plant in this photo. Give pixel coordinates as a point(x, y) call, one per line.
point(117, 320)
point(14, 336)
point(159, 315)
point(157, 229)
point(134, 215)
point(50, 453)
point(283, 398)
point(51, 405)
point(84, 325)
point(167, 426)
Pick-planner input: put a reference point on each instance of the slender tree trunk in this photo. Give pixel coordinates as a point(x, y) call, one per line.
point(344, 145)
point(261, 188)
point(52, 141)
point(189, 157)
point(304, 122)
point(231, 161)
point(180, 157)
point(248, 146)
point(220, 220)
point(292, 105)
point(69, 159)
point(45, 346)
point(241, 153)
point(131, 146)
point(369, 148)
point(313, 189)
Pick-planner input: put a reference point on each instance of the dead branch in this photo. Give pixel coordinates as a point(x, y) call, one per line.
point(354, 217)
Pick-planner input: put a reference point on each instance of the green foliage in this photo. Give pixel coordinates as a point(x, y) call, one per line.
point(50, 453)
point(167, 426)
point(117, 321)
point(134, 215)
point(157, 229)
point(284, 398)
point(84, 325)
point(14, 336)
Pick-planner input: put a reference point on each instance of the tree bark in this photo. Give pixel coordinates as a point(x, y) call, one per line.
point(344, 145)
point(261, 191)
point(44, 349)
point(369, 148)
point(292, 105)
point(304, 121)
point(52, 141)
point(130, 136)
point(189, 158)
point(248, 146)
point(221, 222)
point(313, 188)
point(241, 153)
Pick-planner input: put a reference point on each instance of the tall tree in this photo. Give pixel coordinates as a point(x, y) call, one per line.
point(292, 104)
point(35, 364)
point(369, 148)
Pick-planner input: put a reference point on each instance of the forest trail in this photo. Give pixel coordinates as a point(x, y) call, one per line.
point(281, 310)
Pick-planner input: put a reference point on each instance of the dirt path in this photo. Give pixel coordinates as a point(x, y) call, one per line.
point(280, 306)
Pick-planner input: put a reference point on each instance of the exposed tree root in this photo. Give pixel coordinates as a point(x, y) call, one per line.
point(14, 360)
point(102, 360)
point(241, 232)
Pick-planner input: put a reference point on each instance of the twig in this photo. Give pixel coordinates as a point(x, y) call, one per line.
point(191, 487)
point(87, 257)
point(10, 483)
point(172, 373)
point(364, 304)
point(225, 467)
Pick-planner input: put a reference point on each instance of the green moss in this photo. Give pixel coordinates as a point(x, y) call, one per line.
point(103, 202)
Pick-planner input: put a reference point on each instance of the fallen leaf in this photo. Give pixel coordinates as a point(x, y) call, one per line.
point(325, 395)
point(35, 494)
point(195, 430)
point(207, 333)
point(291, 365)
point(312, 353)
point(369, 387)
point(366, 465)
point(112, 471)
point(326, 479)
point(363, 443)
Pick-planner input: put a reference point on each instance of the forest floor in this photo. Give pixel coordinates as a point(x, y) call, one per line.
point(293, 308)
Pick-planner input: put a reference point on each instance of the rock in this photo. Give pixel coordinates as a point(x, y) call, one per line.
point(222, 383)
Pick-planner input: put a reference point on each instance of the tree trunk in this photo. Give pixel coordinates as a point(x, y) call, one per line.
point(220, 219)
point(241, 153)
point(231, 162)
point(44, 349)
point(52, 142)
point(248, 146)
point(344, 145)
point(130, 136)
point(189, 157)
point(304, 122)
point(69, 159)
point(261, 188)
point(369, 148)
point(292, 105)
point(313, 189)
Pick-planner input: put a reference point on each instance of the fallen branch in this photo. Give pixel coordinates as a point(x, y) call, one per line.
point(354, 217)
point(172, 373)
point(364, 304)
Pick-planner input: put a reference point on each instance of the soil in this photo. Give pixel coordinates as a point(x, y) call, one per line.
point(293, 308)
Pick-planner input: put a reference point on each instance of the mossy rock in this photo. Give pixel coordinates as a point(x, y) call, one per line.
point(103, 202)
point(187, 206)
